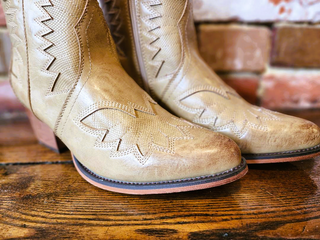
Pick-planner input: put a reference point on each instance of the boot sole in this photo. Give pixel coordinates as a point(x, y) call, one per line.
point(281, 157)
point(174, 186)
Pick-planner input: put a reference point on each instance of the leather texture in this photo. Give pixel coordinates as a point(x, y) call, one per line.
point(175, 75)
point(65, 69)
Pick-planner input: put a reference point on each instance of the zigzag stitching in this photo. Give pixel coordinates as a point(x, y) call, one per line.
point(47, 44)
point(115, 145)
point(199, 111)
point(130, 108)
point(230, 124)
point(149, 5)
point(153, 13)
point(267, 112)
point(148, 100)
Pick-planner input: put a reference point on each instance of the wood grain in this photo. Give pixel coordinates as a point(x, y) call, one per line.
point(53, 200)
point(18, 144)
point(49, 200)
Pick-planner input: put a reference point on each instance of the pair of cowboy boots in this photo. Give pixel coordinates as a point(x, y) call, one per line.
point(67, 70)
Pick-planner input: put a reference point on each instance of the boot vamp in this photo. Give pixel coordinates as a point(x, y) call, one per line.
point(117, 131)
point(203, 98)
point(256, 130)
point(136, 145)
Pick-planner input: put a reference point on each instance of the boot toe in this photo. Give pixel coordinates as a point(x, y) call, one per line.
point(306, 135)
point(287, 134)
point(209, 154)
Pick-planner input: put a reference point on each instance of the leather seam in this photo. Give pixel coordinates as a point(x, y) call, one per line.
point(182, 61)
point(283, 153)
point(89, 74)
point(61, 115)
point(27, 56)
point(142, 49)
point(241, 165)
point(135, 60)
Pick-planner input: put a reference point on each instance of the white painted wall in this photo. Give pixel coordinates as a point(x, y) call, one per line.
point(257, 10)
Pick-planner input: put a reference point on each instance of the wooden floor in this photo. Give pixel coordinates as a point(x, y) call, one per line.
point(42, 196)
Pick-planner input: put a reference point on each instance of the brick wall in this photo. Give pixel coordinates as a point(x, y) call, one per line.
point(268, 50)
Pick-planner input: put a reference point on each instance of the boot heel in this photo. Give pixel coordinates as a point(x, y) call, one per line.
point(45, 135)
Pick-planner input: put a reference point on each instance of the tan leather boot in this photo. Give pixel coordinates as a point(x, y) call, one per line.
point(157, 46)
point(65, 69)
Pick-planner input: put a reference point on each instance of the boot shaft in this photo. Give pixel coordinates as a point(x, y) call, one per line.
point(49, 56)
point(153, 38)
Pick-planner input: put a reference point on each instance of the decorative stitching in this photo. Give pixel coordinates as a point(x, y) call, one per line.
point(42, 4)
point(260, 114)
point(78, 35)
point(149, 5)
point(160, 68)
point(185, 49)
point(68, 74)
point(102, 131)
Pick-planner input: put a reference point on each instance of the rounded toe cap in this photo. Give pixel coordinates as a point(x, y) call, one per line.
point(200, 153)
point(305, 134)
point(287, 134)
point(209, 154)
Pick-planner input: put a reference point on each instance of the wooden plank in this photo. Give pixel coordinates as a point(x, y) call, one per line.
point(15, 133)
point(31, 153)
point(53, 201)
point(18, 144)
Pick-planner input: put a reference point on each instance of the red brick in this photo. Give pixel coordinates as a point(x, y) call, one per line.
point(8, 101)
point(296, 46)
point(235, 47)
point(283, 89)
point(245, 84)
point(2, 18)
